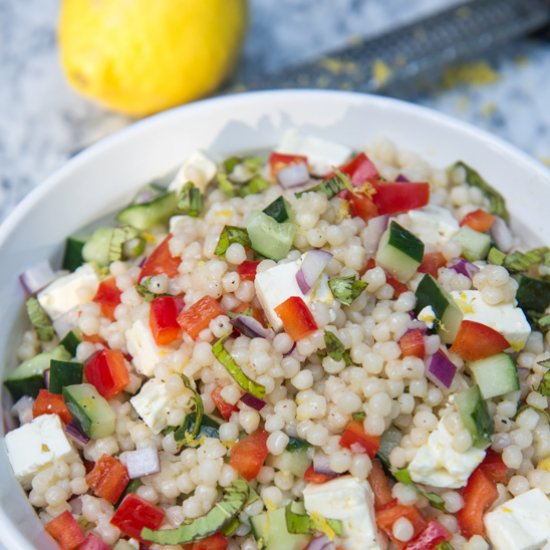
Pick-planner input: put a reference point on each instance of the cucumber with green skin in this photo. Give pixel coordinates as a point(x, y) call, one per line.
point(475, 245)
point(495, 375)
point(475, 416)
point(271, 533)
point(71, 341)
point(72, 257)
point(64, 373)
point(268, 237)
point(279, 210)
point(146, 215)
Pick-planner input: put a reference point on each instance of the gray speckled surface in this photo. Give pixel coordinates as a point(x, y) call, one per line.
point(43, 122)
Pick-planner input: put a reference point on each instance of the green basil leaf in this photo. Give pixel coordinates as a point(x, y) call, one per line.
point(231, 234)
point(190, 200)
point(301, 524)
point(346, 289)
point(336, 184)
point(39, 320)
point(335, 349)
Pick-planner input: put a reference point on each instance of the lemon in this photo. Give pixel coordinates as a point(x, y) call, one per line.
point(142, 56)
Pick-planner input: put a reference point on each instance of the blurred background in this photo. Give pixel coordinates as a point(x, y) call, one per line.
point(44, 121)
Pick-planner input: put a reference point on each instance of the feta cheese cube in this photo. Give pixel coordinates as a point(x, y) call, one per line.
point(522, 523)
point(35, 445)
point(506, 318)
point(427, 316)
point(146, 355)
point(436, 463)
point(197, 168)
point(69, 291)
point(431, 224)
point(350, 500)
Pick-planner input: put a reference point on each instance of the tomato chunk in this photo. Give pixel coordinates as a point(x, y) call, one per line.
point(355, 438)
point(249, 454)
point(311, 476)
point(431, 262)
point(479, 219)
point(66, 531)
point(494, 467)
point(379, 484)
point(161, 261)
point(225, 408)
point(394, 197)
point(108, 479)
point(477, 341)
point(480, 492)
point(51, 403)
point(391, 512)
point(93, 542)
point(108, 372)
point(398, 286)
point(197, 317)
point(213, 542)
point(163, 319)
point(412, 344)
point(429, 538)
point(247, 270)
point(297, 319)
point(360, 169)
point(279, 161)
point(134, 514)
point(362, 206)
point(108, 297)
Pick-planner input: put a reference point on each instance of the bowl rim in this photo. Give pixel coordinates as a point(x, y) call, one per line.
point(18, 214)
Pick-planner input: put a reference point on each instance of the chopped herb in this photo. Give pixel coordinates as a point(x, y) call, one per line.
point(208, 427)
point(533, 295)
point(524, 407)
point(119, 236)
point(230, 235)
point(230, 163)
point(255, 185)
point(496, 256)
point(225, 185)
point(331, 187)
point(346, 289)
point(39, 320)
point(190, 200)
point(544, 386)
point(435, 501)
point(335, 349)
point(497, 204)
point(517, 261)
point(253, 164)
point(133, 247)
point(223, 356)
point(249, 312)
point(302, 524)
point(187, 431)
point(359, 416)
point(231, 527)
point(132, 487)
point(445, 545)
point(403, 476)
point(144, 290)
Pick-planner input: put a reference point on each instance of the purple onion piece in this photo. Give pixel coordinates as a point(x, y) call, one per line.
point(321, 465)
point(142, 462)
point(293, 175)
point(502, 235)
point(253, 401)
point(142, 262)
point(76, 504)
point(463, 267)
point(47, 378)
point(76, 434)
point(441, 370)
point(402, 178)
point(375, 229)
point(37, 277)
point(251, 327)
point(320, 543)
point(313, 265)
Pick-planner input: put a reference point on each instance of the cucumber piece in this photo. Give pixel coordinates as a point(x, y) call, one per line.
point(389, 440)
point(64, 373)
point(533, 294)
point(96, 248)
point(279, 210)
point(71, 340)
point(296, 462)
point(447, 313)
point(297, 444)
point(28, 377)
point(399, 252)
point(72, 258)
point(475, 416)
point(146, 215)
point(475, 245)
point(270, 531)
point(269, 238)
point(92, 411)
point(495, 375)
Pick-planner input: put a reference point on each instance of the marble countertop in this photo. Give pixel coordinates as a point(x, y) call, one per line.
point(43, 122)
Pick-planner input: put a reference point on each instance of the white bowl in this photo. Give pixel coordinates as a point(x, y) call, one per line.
point(105, 176)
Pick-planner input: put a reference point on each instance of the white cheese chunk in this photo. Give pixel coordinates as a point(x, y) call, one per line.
point(198, 169)
point(35, 445)
point(152, 403)
point(506, 318)
point(427, 316)
point(350, 500)
point(436, 463)
point(146, 355)
point(69, 291)
point(431, 224)
point(522, 523)
point(322, 155)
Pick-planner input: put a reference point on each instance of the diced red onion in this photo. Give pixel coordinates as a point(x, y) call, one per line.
point(66, 322)
point(402, 178)
point(375, 229)
point(142, 462)
point(320, 543)
point(253, 401)
point(312, 266)
point(293, 175)
point(251, 327)
point(142, 262)
point(463, 267)
point(93, 542)
point(76, 505)
point(502, 235)
point(22, 408)
point(523, 373)
point(37, 277)
point(321, 465)
point(47, 378)
point(441, 370)
point(434, 532)
point(76, 434)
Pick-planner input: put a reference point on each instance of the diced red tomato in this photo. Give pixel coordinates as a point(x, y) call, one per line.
point(66, 531)
point(108, 297)
point(93, 542)
point(398, 286)
point(355, 437)
point(161, 261)
point(394, 197)
point(197, 317)
point(477, 341)
point(311, 476)
point(108, 479)
point(278, 161)
point(247, 270)
point(379, 484)
point(434, 534)
point(479, 219)
point(412, 344)
point(362, 206)
point(391, 512)
point(297, 319)
point(225, 408)
point(249, 454)
point(134, 514)
point(51, 403)
point(494, 467)
point(108, 372)
point(360, 169)
point(480, 492)
point(431, 262)
point(213, 542)
point(163, 319)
